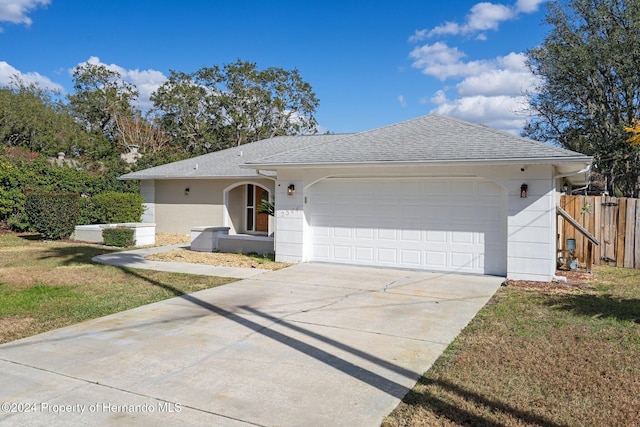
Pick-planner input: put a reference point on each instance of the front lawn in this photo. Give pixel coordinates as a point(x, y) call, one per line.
point(46, 285)
point(540, 357)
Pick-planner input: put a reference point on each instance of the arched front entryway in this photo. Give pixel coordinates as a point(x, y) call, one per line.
point(242, 203)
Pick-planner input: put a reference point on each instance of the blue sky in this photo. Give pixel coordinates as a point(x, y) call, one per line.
point(371, 63)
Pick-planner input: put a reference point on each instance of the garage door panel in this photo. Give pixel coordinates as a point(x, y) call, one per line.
point(322, 252)
point(444, 225)
point(463, 237)
point(387, 234)
point(437, 260)
point(321, 231)
point(365, 233)
point(341, 232)
point(387, 255)
point(410, 257)
point(436, 236)
point(411, 235)
point(364, 254)
point(342, 253)
point(462, 260)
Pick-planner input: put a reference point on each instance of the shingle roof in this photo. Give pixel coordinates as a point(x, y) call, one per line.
point(225, 163)
point(428, 139)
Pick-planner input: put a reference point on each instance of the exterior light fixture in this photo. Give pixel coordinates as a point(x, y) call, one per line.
point(291, 189)
point(187, 191)
point(565, 188)
point(523, 191)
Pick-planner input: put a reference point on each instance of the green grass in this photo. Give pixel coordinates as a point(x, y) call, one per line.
point(46, 285)
point(552, 357)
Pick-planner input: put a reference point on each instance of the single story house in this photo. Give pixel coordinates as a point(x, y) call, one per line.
point(432, 193)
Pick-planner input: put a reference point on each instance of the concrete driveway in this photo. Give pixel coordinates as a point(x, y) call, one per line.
point(313, 344)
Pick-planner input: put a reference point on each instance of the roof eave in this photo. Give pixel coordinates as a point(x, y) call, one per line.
point(149, 177)
point(524, 160)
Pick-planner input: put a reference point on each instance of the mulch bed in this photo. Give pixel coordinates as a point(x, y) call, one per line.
point(576, 279)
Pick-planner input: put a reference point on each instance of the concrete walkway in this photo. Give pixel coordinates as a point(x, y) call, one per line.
point(136, 259)
point(312, 344)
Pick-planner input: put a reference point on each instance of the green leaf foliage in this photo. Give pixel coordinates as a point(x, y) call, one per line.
point(52, 214)
point(111, 207)
point(220, 107)
point(22, 171)
point(118, 236)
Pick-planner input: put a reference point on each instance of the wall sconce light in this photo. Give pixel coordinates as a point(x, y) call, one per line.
point(565, 188)
point(523, 191)
point(291, 189)
point(187, 191)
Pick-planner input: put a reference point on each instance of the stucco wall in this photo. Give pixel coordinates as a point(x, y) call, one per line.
point(174, 211)
point(147, 191)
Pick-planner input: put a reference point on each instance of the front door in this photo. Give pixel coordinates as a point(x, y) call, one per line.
point(262, 219)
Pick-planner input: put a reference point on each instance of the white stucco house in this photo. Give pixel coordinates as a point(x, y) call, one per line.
point(432, 193)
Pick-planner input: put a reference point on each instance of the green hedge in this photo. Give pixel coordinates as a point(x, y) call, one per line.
point(119, 207)
point(111, 207)
point(118, 236)
point(22, 172)
point(54, 215)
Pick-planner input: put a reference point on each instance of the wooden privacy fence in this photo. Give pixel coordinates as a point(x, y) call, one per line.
point(615, 223)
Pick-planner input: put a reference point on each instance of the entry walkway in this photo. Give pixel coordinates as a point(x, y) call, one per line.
point(136, 259)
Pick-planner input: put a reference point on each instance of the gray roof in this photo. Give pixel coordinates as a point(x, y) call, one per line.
point(225, 163)
point(427, 139)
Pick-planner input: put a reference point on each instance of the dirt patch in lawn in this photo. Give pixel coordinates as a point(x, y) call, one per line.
point(218, 259)
point(210, 258)
point(15, 327)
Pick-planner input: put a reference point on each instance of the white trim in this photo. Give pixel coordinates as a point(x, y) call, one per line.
point(226, 218)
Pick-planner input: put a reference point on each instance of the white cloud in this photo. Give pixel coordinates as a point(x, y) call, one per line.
point(511, 77)
point(16, 11)
point(441, 61)
point(486, 16)
point(490, 92)
point(7, 72)
point(528, 6)
point(499, 112)
point(146, 81)
point(402, 101)
point(482, 17)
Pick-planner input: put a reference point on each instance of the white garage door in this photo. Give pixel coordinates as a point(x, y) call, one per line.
point(433, 224)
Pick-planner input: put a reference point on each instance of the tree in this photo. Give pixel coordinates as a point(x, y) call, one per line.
point(100, 96)
point(219, 107)
point(142, 131)
point(589, 70)
point(33, 118)
point(183, 113)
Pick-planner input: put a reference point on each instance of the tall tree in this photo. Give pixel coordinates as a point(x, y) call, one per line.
point(589, 70)
point(100, 95)
point(183, 112)
point(33, 118)
point(218, 107)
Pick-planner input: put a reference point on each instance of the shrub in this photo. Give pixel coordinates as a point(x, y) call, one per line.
point(118, 236)
point(112, 207)
point(54, 215)
point(22, 171)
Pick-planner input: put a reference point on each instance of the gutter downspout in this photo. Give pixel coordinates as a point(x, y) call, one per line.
point(584, 170)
